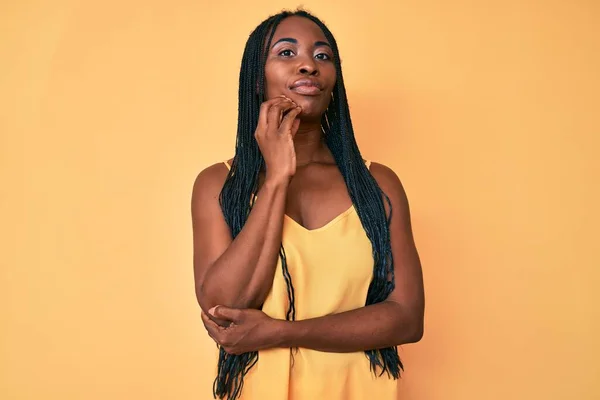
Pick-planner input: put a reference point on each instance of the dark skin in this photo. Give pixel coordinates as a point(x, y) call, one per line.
point(304, 168)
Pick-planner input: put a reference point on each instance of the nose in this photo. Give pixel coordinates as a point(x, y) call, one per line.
point(308, 66)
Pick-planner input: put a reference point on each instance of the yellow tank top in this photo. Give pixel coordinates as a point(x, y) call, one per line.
point(331, 269)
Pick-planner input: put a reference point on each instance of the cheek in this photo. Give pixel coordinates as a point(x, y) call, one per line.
point(331, 75)
point(273, 81)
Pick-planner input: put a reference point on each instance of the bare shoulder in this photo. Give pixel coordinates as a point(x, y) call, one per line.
point(390, 183)
point(209, 182)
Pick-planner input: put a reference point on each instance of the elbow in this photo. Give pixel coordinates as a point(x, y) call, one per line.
point(408, 325)
point(208, 297)
point(417, 327)
point(208, 291)
point(416, 331)
point(411, 333)
point(409, 330)
point(202, 299)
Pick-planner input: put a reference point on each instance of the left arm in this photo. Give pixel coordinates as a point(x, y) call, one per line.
point(376, 326)
point(395, 321)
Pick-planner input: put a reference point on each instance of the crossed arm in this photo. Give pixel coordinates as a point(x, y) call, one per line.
point(398, 320)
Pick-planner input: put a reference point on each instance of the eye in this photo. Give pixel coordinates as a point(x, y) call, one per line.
point(285, 53)
point(323, 56)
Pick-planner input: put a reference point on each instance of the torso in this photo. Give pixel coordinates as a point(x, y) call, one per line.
point(331, 270)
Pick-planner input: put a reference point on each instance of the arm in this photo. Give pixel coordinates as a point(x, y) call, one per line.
point(377, 326)
point(396, 321)
point(239, 272)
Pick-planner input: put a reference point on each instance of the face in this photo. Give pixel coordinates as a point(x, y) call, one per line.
point(300, 66)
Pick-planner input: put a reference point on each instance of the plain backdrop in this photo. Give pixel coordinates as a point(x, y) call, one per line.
point(487, 110)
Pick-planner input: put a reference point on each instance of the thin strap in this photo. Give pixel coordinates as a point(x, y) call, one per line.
point(367, 163)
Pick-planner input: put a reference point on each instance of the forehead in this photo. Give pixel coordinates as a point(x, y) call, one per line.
point(299, 28)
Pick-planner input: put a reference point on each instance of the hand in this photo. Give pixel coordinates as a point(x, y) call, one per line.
point(248, 329)
point(275, 133)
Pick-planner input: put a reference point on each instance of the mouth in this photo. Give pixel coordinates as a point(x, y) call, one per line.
point(306, 87)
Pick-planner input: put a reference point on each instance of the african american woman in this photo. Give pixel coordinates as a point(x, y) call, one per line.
point(305, 266)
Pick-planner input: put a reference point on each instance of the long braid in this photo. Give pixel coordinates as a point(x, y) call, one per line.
point(237, 195)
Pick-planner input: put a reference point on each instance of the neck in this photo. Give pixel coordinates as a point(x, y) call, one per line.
point(309, 144)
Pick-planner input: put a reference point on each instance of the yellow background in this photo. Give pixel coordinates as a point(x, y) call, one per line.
point(487, 110)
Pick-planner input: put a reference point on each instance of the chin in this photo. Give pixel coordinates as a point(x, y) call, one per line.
point(310, 113)
point(311, 108)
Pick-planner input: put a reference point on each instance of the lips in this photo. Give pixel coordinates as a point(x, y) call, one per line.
point(307, 87)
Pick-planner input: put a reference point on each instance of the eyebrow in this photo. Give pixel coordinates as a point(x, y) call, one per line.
point(294, 41)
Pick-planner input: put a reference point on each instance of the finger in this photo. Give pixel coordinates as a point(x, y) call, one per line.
point(295, 127)
point(220, 322)
point(289, 120)
point(276, 111)
point(222, 312)
point(210, 326)
point(266, 106)
point(209, 323)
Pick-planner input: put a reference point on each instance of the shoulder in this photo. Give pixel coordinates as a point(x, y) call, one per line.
point(209, 182)
point(386, 178)
point(390, 183)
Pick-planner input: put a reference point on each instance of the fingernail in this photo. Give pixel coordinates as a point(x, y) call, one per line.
point(212, 311)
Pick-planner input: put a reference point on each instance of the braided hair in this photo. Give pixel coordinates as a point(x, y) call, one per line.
point(242, 183)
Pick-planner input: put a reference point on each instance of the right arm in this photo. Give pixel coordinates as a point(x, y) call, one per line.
point(239, 272)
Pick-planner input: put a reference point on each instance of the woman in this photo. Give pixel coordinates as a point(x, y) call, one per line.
point(307, 279)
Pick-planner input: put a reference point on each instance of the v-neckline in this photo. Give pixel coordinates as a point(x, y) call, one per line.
point(332, 222)
point(335, 219)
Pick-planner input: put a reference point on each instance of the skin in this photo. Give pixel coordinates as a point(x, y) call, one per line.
point(300, 166)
